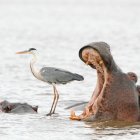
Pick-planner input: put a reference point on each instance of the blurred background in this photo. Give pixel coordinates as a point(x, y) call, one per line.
point(58, 29)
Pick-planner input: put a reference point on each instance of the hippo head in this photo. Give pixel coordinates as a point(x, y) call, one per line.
point(8, 107)
point(115, 95)
point(5, 106)
point(97, 53)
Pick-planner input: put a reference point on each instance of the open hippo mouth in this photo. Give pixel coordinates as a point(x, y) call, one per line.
point(98, 56)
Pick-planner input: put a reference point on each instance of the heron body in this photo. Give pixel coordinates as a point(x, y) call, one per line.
point(51, 76)
point(58, 76)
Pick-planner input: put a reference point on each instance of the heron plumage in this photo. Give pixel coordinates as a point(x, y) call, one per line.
point(58, 76)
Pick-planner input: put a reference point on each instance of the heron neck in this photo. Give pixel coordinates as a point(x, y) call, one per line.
point(34, 70)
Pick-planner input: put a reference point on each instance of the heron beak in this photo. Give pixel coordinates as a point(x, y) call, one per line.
point(23, 52)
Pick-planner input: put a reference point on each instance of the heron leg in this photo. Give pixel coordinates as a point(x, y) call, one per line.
point(54, 99)
point(57, 98)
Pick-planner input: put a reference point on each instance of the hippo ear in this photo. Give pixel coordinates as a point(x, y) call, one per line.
point(132, 76)
point(35, 108)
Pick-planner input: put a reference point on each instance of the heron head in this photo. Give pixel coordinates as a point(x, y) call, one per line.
point(30, 51)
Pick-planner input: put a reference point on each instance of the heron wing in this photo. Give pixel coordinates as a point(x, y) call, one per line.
point(55, 75)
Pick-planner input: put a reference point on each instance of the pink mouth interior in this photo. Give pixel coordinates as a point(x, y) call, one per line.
point(95, 62)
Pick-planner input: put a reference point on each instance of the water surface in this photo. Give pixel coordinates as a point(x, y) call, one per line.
point(58, 29)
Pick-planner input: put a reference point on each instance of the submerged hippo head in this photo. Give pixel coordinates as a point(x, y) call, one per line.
point(8, 107)
point(115, 95)
point(5, 106)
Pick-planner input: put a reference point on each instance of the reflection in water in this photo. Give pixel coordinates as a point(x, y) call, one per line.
point(113, 129)
point(113, 124)
point(58, 29)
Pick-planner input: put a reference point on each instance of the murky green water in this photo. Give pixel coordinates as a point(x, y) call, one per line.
point(58, 29)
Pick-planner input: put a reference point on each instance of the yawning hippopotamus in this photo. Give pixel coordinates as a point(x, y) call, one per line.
point(8, 107)
point(116, 95)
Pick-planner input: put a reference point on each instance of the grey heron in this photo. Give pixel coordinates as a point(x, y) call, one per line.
point(51, 76)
